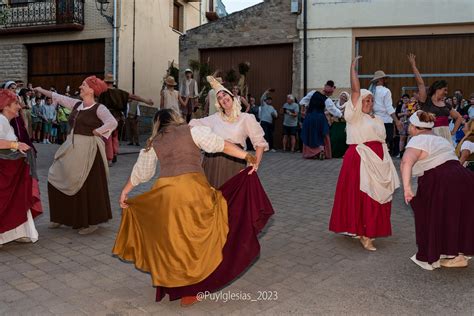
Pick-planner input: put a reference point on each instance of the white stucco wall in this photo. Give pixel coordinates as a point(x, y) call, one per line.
point(156, 43)
point(333, 26)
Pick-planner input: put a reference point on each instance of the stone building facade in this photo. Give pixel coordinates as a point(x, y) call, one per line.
point(267, 23)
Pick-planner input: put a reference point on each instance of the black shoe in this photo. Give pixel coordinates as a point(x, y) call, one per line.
point(114, 160)
point(137, 144)
point(130, 144)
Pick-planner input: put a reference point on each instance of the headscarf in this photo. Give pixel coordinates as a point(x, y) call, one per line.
point(96, 84)
point(342, 106)
point(6, 98)
point(236, 107)
point(8, 84)
point(415, 120)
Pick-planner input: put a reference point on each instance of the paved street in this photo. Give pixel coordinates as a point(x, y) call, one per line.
point(312, 270)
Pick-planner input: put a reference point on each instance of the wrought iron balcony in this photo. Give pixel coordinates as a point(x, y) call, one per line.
point(41, 16)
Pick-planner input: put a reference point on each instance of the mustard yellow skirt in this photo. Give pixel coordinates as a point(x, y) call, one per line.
point(176, 231)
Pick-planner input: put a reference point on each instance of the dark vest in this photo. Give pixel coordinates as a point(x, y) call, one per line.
point(317, 103)
point(84, 122)
point(177, 152)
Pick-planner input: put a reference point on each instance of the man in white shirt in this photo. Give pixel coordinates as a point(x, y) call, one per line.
point(328, 90)
point(383, 105)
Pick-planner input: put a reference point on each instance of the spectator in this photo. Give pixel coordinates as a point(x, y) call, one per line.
point(315, 131)
point(290, 111)
point(243, 102)
point(338, 128)
point(253, 107)
point(266, 114)
point(131, 122)
point(403, 115)
point(465, 148)
point(470, 111)
point(63, 118)
point(48, 114)
point(383, 105)
point(36, 119)
point(189, 92)
point(170, 98)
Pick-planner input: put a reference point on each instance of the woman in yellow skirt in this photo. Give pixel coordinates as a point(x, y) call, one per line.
point(177, 231)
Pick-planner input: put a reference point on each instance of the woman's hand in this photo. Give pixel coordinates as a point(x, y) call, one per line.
point(412, 59)
point(254, 168)
point(96, 133)
point(408, 193)
point(354, 61)
point(123, 198)
point(23, 148)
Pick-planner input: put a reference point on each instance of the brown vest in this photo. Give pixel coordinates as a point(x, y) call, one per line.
point(177, 152)
point(84, 122)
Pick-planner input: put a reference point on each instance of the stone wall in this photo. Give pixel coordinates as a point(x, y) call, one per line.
point(13, 63)
point(267, 23)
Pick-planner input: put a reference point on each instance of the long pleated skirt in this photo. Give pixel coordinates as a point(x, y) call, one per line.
point(89, 206)
point(444, 212)
point(354, 211)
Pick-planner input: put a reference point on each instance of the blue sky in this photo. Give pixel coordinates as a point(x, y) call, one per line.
point(237, 5)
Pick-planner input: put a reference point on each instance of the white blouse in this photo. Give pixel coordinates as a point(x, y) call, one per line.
point(6, 130)
point(145, 167)
point(235, 132)
point(362, 127)
point(438, 148)
point(110, 123)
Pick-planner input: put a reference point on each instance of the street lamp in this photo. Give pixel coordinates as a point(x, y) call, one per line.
point(102, 6)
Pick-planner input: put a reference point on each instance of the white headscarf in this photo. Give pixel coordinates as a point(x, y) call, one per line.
point(415, 120)
point(236, 107)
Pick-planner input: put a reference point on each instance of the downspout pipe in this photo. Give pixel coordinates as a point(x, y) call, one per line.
point(114, 43)
point(305, 47)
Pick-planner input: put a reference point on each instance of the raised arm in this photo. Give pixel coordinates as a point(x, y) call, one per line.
point(355, 83)
point(419, 81)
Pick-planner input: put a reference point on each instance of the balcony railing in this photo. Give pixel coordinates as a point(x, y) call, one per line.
point(30, 16)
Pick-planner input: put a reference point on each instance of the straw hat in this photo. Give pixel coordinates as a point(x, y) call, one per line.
point(109, 78)
point(379, 74)
point(170, 81)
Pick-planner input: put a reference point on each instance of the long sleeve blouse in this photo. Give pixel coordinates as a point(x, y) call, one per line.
point(109, 122)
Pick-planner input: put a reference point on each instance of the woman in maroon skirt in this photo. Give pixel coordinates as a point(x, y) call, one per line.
point(19, 192)
point(368, 177)
point(444, 222)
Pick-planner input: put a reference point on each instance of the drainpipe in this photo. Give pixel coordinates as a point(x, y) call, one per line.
point(133, 51)
point(114, 43)
point(305, 48)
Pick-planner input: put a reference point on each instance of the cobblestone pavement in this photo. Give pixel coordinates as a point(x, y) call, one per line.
point(312, 270)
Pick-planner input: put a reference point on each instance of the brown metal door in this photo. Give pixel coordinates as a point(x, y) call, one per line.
point(438, 57)
point(271, 66)
point(63, 64)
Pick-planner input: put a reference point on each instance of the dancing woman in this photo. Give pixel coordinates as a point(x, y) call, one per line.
point(232, 125)
point(77, 179)
point(444, 222)
point(368, 178)
point(19, 192)
point(194, 242)
point(433, 102)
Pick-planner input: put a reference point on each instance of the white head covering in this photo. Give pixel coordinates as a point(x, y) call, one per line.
point(9, 83)
point(415, 120)
point(236, 107)
point(342, 106)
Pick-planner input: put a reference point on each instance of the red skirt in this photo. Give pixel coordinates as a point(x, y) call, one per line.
point(19, 192)
point(353, 210)
point(248, 212)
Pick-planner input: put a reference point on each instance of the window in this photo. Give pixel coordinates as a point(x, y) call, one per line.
point(177, 16)
point(21, 2)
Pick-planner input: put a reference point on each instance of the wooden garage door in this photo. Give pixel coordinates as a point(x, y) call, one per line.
point(270, 67)
point(67, 63)
point(438, 57)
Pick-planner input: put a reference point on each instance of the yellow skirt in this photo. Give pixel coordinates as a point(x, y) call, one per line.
point(176, 231)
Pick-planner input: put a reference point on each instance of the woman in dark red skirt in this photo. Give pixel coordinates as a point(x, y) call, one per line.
point(444, 222)
point(368, 177)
